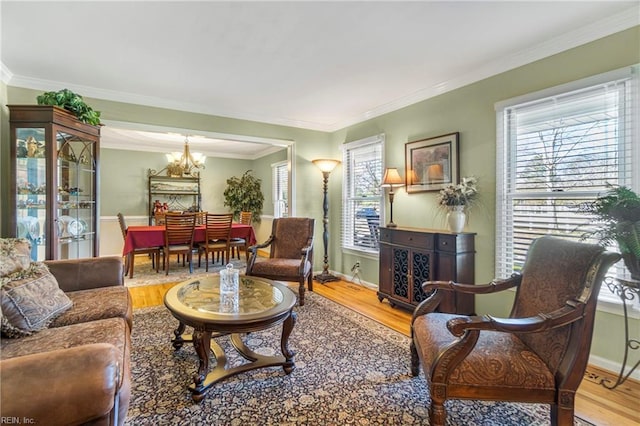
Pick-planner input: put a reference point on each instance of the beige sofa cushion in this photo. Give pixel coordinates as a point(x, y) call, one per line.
point(95, 304)
point(30, 299)
point(15, 255)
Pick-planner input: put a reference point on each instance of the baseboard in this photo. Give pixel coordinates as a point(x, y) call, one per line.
point(613, 367)
point(347, 278)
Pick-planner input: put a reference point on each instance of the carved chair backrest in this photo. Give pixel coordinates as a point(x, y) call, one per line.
point(218, 226)
point(291, 235)
point(123, 225)
point(245, 218)
point(179, 228)
point(159, 218)
point(201, 218)
point(557, 271)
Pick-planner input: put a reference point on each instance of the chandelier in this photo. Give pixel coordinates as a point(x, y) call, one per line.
point(185, 163)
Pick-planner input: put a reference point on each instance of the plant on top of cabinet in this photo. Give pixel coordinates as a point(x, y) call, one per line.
point(244, 194)
point(72, 102)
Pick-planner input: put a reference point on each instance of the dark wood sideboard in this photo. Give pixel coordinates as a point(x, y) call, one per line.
point(410, 256)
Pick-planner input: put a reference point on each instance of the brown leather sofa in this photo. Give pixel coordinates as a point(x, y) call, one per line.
point(77, 370)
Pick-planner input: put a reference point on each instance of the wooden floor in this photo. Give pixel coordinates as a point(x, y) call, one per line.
point(594, 403)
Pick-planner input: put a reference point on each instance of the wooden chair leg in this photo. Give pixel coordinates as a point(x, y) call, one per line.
point(301, 291)
point(415, 360)
point(131, 262)
point(562, 414)
point(437, 413)
point(125, 272)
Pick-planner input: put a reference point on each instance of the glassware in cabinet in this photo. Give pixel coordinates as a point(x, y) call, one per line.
point(54, 182)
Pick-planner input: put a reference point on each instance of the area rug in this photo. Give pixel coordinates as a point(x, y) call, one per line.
point(144, 274)
point(349, 371)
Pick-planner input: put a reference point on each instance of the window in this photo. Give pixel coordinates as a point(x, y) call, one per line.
point(556, 150)
point(280, 180)
point(362, 197)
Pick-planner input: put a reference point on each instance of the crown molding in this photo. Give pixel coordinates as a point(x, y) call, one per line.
point(594, 31)
point(5, 74)
point(586, 34)
point(272, 144)
point(157, 102)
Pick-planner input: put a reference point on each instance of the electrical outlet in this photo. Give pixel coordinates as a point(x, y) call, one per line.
point(356, 272)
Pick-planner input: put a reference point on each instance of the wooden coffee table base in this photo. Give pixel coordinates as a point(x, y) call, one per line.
point(203, 341)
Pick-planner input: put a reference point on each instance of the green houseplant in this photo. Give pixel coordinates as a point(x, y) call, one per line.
point(244, 194)
point(617, 212)
point(73, 103)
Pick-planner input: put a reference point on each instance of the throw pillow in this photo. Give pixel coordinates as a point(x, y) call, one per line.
point(15, 255)
point(30, 300)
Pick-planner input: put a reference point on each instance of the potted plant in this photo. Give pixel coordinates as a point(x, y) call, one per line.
point(73, 103)
point(618, 214)
point(244, 194)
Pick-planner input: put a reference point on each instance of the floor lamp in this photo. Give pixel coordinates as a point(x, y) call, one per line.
point(326, 166)
point(391, 178)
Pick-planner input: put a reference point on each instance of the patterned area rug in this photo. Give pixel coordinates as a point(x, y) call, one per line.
point(144, 274)
point(349, 371)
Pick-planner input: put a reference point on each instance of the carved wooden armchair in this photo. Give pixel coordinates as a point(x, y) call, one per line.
point(538, 354)
point(291, 255)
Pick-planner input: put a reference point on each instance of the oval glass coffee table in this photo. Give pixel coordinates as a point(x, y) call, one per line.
point(258, 305)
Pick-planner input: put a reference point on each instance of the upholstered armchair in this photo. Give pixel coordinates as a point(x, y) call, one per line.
point(538, 354)
point(291, 254)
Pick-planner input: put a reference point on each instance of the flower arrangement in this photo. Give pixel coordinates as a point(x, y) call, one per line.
point(463, 194)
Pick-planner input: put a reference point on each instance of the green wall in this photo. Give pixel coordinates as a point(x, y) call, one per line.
point(130, 167)
point(123, 180)
point(262, 170)
point(468, 110)
point(4, 158)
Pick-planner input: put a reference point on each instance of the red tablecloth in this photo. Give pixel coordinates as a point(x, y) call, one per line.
point(153, 236)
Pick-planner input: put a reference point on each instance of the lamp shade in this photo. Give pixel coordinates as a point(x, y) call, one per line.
point(392, 178)
point(326, 165)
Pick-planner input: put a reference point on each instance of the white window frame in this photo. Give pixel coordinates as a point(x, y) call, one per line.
point(353, 226)
point(280, 204)
point(628, 174)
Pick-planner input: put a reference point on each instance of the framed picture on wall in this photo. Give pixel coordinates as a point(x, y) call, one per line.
point(431, 164)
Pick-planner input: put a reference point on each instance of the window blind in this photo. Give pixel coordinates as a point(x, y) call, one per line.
point(555, 153)
point(280, 189)
point(362, 197)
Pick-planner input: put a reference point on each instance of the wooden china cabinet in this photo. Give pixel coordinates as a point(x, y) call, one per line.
point(410, 256)
point(54, 182)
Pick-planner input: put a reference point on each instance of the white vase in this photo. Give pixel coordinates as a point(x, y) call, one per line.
point(456, 218)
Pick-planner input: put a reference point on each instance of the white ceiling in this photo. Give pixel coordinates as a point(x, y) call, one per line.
point(315, 65)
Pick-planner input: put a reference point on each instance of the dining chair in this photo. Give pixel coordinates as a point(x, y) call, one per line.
point(201, 218)
point(178, 238)
point(158, 218)
point(129, 261)
point(537, 355)
point(290, 254)
point(218, 231)
point(236, 243)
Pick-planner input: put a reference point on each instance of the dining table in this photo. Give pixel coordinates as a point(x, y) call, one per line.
point(153, 236)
